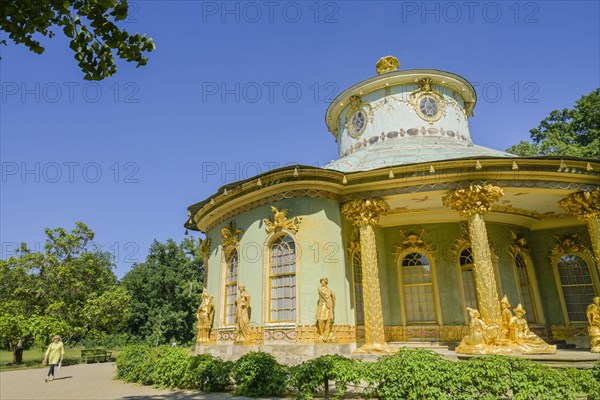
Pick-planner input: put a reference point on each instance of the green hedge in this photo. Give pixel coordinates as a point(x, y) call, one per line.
point(408, 374)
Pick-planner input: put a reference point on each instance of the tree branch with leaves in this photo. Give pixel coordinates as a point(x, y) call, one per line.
point(90, 24)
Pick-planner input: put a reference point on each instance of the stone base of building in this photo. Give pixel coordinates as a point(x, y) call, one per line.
point(285, 353)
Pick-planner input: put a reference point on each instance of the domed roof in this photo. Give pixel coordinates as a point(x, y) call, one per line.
point(412, 150)
point(404, 117)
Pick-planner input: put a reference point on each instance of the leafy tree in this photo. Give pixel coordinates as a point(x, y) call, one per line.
point(568, 132)
point(68, 289)
point(90, 25)
point(165, 292)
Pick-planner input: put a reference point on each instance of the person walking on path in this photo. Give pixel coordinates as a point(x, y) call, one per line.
point(54, 355)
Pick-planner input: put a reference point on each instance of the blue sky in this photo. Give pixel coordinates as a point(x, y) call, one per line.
point(236, 88)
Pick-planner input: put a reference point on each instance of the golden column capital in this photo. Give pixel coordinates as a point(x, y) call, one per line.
point(365, 211)
point(586, 207)
point(583, 205)
point(475, 199)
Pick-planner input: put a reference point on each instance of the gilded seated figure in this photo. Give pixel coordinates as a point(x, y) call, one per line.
point(480, 336)
point(526, 340)
point(242, 316)
point(205, 315)
point(325, 312)
point(593, 315)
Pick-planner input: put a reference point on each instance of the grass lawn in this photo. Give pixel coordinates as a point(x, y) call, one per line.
point(32, 358)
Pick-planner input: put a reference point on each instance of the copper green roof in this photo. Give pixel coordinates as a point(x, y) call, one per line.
point(411, 150)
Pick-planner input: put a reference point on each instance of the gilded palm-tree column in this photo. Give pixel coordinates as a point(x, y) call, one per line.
point(364, 213)
point(586, 207)
point(473, 202)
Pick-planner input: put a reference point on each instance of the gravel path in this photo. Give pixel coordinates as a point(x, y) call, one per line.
point(86, 382)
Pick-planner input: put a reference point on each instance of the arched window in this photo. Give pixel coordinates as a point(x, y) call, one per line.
point(577, 285)
point(417, 288)
point(231, 287)
point(359, 309)
point(468, 278)
point(526, 289)
point(282, 279)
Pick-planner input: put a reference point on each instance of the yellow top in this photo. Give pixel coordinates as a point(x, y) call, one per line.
point(55, 352)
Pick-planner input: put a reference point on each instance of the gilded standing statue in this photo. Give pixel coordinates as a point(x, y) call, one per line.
point(242, 315)
point(206, 312)
point(325, 312)
point(593, 315)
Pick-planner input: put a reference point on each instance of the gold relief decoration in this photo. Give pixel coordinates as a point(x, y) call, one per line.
point(462, 242)
point(230, 236)
point(567, 332)
point(358, 116)
point(475, 199)
point(205, 248)
point(518, 243)
point(583, 205)
point(428, 103)
point(387, 64)
point(566, 244)
point(412, 241)
point(354, 243)
point(281, 221)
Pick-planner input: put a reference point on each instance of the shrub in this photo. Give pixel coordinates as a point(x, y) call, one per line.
point(171, 369)
point(207, 373)
point(487, 377)
point(130, 361)
point(530, 380)
point(258, 374)
point(314, 375)
point(412, 374)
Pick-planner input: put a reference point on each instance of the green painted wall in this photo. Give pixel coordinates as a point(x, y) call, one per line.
point(319, 249)
point(322, 243)
point(541, 243)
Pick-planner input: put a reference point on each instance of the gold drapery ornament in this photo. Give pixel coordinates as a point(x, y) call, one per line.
point(281, 221)
point(364, 213)
point(205, 248)
point(205, 251)
point(475, 199)
point(586, 207)
point(230, 236)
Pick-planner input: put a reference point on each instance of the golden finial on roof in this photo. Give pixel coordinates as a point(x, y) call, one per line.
point(387, 64)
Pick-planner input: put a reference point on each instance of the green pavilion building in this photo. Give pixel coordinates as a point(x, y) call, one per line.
point(413, 224)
